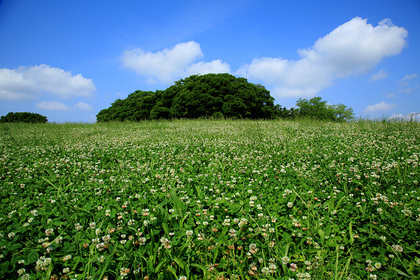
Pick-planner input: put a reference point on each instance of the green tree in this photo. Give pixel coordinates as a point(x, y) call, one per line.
point(343, 113)
point(23, 117)
point(316, 108)
point(210, 95)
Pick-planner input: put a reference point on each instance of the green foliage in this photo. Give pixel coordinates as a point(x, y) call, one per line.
point(316, 108)
point(210, 199)
point(208, 96)
point(23, 117)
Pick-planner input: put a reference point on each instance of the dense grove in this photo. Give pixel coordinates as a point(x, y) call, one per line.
point(210, 200)
point(216, 96)
point(198, 96)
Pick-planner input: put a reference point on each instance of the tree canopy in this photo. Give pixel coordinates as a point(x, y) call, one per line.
point(23, 117)
point(216, 96)
point(210, 95)
point(316, 108)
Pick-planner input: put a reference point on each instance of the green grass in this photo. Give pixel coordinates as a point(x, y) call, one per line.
point(210, 199)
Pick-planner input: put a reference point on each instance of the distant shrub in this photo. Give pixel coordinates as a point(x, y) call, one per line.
point(23, 117)
point(318, 109)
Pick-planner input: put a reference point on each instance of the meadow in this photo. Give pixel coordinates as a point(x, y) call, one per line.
point(210, 199)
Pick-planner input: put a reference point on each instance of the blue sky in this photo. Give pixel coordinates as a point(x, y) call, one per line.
point(67, 60)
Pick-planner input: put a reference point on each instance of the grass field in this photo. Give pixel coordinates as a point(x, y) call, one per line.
point(210, 199)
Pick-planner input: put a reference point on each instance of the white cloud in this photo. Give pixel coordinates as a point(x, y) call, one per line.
point(59, 106)
point(379, 107)
point(381, 74)
point(82, 106)
point(215, 66)
point(30, 82)
point(352, 48)
point(52, 106)
point(170, 64)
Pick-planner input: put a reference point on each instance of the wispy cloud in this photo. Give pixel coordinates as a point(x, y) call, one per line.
point(404, 81)
point(52, 106)
point(409, 83)
point(381, 74)
point(379, 107)
point(30, 82)
point(59, 106)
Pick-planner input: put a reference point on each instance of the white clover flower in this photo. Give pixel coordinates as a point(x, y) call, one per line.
point(21, 271)
point(226, 222)
point(253, 248)
point(285, 260)
point(124, 271)
point(49, 231)
point(265, 271)
point(78, 227)
point(66, 258)
point(397, 248)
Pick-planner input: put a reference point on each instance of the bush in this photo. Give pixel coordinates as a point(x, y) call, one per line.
point(23, 117)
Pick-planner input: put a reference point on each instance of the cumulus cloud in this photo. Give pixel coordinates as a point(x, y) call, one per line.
point(379, 107)
point(381, 74)
point(29, 82)
point(352, 48)
point(59, 106)
point(170, 64)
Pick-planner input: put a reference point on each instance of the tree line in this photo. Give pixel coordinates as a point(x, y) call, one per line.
point(216, 96)
point(206, 96)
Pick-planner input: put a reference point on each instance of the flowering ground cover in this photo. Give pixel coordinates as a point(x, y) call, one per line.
point(210, 199)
